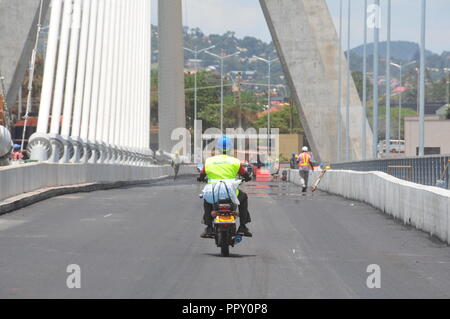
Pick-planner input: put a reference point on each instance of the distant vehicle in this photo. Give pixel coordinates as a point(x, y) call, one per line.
point(249, 168)
point(17, 134)
point(397, 146)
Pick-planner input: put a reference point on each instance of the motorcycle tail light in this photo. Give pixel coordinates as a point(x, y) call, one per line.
point(225, 208)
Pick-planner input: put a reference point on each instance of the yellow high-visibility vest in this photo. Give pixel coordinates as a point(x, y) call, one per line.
point(304, 160)
point(222, 167)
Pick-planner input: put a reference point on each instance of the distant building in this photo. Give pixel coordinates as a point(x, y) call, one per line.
point(437, 132)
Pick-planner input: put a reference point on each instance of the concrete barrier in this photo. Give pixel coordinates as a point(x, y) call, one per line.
point(44, 180)
point(424, 207)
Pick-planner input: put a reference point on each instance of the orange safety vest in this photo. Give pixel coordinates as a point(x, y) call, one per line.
point(305, 160)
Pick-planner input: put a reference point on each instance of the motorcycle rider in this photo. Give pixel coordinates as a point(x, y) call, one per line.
point(225, 167)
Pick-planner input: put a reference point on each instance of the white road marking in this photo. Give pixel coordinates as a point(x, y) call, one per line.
point(69, 197)
point(106, 216)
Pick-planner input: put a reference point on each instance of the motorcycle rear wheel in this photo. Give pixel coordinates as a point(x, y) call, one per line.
point(224, 245)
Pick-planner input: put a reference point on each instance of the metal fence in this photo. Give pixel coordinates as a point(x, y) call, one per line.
point(428, 170)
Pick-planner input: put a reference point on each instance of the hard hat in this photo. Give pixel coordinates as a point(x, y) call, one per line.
point(224, 143)
point(16, 147)
point(305, 149)
point(293, 153)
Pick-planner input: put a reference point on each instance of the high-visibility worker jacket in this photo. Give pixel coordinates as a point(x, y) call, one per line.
point(304, 161)
point(223, 167)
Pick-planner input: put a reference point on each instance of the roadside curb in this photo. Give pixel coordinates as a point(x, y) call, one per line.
point(17, 202)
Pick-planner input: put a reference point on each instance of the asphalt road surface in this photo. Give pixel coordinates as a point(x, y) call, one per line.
point(144, 242)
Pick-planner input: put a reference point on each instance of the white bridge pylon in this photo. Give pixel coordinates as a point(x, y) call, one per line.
point(95, 103)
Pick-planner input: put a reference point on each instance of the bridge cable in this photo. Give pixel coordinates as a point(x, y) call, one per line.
point(31, 75)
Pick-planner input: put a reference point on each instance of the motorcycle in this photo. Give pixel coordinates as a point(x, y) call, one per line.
point(284, 176)
point(225, 213)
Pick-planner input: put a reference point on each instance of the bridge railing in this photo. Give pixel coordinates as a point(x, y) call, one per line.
point(428, 170)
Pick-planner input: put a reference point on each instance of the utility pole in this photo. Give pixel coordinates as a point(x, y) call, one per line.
point(238, 99)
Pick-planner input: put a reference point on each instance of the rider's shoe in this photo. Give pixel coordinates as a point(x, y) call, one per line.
point(208, 233)
point(243, 231)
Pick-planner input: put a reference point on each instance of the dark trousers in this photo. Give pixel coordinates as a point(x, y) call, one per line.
point(244, 214)
point(176, 168)
point(305, 176)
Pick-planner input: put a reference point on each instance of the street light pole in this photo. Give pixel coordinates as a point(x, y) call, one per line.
point(269, 98)
point(196, 53)
point(375, 87)
point(447, 91)
point(446, 85)
point(400, 100)
point(221, 58)
point(339, 106)
point(349, 74)
point(400, 96)
point(269, 101)
point(364, 115)
point(422, 82)
point(388, 81)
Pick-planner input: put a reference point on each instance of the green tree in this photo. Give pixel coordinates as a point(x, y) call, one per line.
point(282, 121)
point(358, 79)
point(394, 121)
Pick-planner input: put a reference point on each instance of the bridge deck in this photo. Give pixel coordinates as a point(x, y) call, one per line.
point(143, 242)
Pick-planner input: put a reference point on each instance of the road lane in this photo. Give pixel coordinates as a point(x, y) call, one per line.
point(144, 242)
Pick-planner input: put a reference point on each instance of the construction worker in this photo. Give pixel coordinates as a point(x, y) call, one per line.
point(17, 154)
point(293, 161)
point(176, 162)
point(305, 166)
point(222, 167)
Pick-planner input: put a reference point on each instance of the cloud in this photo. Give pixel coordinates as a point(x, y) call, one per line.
point(405, 22)
point(244, 17)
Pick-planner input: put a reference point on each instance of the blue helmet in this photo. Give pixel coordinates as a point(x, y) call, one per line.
point(224, 143)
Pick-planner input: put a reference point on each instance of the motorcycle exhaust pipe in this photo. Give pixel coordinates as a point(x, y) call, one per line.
point(237, 239)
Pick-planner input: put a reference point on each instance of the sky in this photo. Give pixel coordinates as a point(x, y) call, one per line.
point(245, 18)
